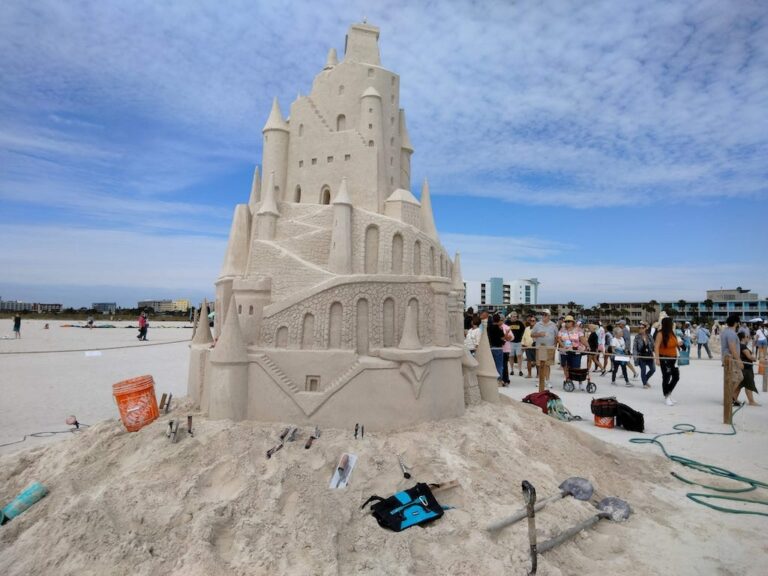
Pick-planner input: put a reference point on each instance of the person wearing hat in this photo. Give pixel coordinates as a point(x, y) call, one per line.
point(544, 334)
point(643, 352)
point(571, 341)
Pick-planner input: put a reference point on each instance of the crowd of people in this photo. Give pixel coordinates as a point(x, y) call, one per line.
point(538, 341)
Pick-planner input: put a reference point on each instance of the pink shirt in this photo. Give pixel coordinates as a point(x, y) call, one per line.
point(574, 335)
point(507, 343)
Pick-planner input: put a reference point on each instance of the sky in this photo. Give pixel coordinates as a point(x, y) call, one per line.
point(614, 150)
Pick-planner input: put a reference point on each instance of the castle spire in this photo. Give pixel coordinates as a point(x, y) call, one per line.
point(255, 190)
point(427, 219)
point(405, 140)
point(487, 376)
point(275, 120)
point(340, 256)
point(236, 257)
point(230, 346)
point(332, 59)
point(457, 282)
point(269, 206)
point(203, 330)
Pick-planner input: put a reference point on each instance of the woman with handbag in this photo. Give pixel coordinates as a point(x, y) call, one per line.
point(665, 353)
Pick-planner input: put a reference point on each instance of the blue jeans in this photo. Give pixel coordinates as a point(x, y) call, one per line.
point(650, 366)
point(706, 347)
point(498, 359)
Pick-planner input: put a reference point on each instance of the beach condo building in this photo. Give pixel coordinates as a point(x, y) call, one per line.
point(497, 295)
point(104, 307)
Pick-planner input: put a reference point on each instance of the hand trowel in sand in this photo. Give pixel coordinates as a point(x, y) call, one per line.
point(340, 477)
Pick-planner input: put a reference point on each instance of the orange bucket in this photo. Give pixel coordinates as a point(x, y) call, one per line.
point(604, 421)
point(136, 401)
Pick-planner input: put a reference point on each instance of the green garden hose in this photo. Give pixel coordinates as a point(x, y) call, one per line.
point(700, 498)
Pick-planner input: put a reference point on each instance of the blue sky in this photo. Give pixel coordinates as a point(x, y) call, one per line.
point(614, 150)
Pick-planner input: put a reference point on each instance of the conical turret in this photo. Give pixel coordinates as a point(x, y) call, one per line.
point(332, 60)
point(203, 330)
point(487, 376)
point(427, 219)
point(236, 258)
point(405, 140)
point(255, 190)
point(230, 348)
point(410, 339)
point(275, 120)
point(457, 282)
point(269, 206)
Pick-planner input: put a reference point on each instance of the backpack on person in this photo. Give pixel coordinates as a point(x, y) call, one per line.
point(629, 419)
point(541, 399)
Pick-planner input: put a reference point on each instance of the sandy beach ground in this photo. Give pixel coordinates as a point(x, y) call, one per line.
point(125, 503)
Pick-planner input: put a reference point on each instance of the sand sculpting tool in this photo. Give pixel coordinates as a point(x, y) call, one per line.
point(274, 449)
point(529, 497)
point(72, 421)
point(312, 437)
point(162, 400)
point(165, 403)
point(405, 468)
point(292, 434)
point(189, 426)
point(612, 508)
point(579, 488)
point(342, 469)
point(170, 429)
point(357, 429)
point(175, 432)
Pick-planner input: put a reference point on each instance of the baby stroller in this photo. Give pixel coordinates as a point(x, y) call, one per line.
point(579, 375)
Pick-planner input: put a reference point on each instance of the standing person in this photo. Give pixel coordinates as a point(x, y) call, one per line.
point(592, 344)
point(665, 353)
point(143, 326)
point(468, 316)
point(643, 352)
point(17, 326)
point(90, 322)
point(529, 344)
point(608, 349)
point(627, 335)
point(518, 328)
point(544, 334)
point(572, 342)
point(600, 348)
point(506, 350)
point(748, 382)
point(702, 339)
point(473, 335)
point(761, 343)
point(617, 344)
point(496, 341)
point(730, 347)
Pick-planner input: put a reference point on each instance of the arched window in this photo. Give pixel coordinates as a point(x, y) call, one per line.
point(417, 258)
point(325, 195)
point(297, 194)
point(250, 310)
point(301, 130)
point(335, 320)
point(281, 338)
point(341, 122)
point(341, 89)
point(372, 249)
point(397, 254)
point(388, 312)
point(361, 328)
point(308, 331)
point(431, 261)
point(370, 143)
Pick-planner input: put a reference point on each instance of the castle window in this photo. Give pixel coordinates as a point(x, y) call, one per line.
point(297, 194)
point(239, 308)
point(393, 80)
point(250, 310)
point(347, 157)
point(370, 110)
point(312, 384)
point(314, 161)
point(370, 126)
point(301, 130)
point(325, 195)
point(301, 163)
point(341, 123)
point(370, 143)
point(392, 141)
point(329, 159)
point(370, 72)
point(391, 180)
point(341, 89)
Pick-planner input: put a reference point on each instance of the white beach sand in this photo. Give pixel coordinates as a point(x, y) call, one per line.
point(133, 503)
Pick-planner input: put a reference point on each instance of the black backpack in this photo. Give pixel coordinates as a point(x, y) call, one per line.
point(414, 506)
point(629, 419)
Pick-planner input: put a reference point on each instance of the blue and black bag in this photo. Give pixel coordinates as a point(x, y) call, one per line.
point(416, 505)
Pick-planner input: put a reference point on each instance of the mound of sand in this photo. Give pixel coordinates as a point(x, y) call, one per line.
point(212, 504)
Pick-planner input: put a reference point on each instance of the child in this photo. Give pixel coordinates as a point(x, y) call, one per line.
point(473, 335)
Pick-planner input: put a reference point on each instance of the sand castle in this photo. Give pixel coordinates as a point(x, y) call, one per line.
point(339, 304)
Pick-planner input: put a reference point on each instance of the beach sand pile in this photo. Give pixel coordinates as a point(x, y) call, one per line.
point(213, 504)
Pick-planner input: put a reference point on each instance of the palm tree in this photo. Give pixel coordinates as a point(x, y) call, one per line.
point(709, 305)
point(694, 308)
point(650, 308)
point(682, 303)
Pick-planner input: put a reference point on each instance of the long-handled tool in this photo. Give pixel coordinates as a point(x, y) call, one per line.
point(529, 497)
point(579, 488)
point(312, 437)
point(274, 449)
point(615, 509)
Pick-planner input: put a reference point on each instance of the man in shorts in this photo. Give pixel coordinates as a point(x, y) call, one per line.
point(517, 327)
point(544, 334)
point(528, 344)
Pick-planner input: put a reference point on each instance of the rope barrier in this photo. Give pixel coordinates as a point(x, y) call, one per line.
point(698, 497)
point(96, 349)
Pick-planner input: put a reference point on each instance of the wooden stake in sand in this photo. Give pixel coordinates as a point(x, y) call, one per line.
point(764, 368)
point(727, 391)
